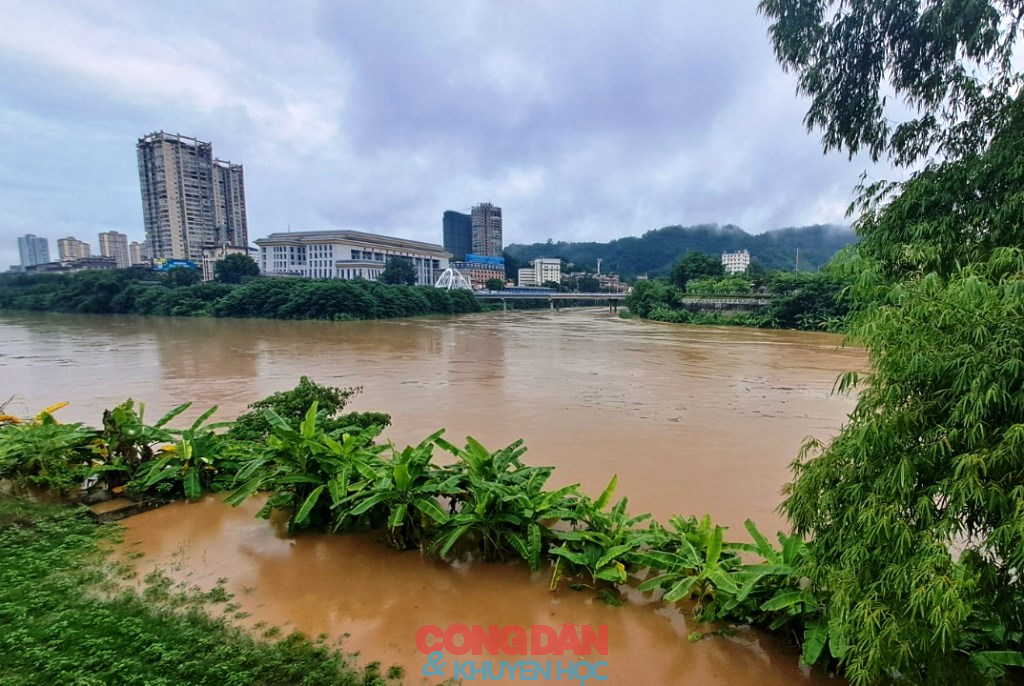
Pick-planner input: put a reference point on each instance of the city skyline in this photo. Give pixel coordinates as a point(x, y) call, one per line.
point(568, 119)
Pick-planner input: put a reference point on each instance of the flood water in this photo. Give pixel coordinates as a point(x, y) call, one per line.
point(692, 419)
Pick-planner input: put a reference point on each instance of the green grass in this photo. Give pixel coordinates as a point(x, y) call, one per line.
point(70, 617)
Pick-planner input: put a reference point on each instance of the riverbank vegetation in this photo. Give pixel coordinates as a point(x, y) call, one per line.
point(916, 510)
point(326, 473)
point(797, 300)
point(72, 616)
point(476, 503)
point(133, 291)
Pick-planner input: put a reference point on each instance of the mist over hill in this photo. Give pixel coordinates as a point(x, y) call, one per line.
point(654, 252)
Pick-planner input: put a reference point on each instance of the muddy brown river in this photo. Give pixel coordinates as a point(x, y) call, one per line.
point(692, 419)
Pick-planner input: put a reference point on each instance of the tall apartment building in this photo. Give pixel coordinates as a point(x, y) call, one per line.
point(33, 250)
point(115, 244)
point(458, 234)
point(486, 223)
point(136, 253)
point(229, 204)
point(72, 249)
point(189, 199)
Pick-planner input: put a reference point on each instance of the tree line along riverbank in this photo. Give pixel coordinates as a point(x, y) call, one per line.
point(128, 291)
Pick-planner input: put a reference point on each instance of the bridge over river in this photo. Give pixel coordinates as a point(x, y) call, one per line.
point(553, 297)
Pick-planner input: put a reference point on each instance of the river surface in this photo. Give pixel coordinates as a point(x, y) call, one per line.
point(692, 419)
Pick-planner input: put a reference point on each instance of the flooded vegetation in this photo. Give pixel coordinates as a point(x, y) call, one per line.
point(692, 421)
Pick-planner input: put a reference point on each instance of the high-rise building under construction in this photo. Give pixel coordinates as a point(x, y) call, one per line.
point(190, 200)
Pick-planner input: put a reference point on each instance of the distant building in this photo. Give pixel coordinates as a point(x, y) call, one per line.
point(71, 249)
point(229, 204)
point(480, 269)
point(214, 253)
point(189, 199)
point(735, 262)
point(458, 234)
point(486, 224)
point(346, 254)
point(33, 250)
point(137, 253)
point(115, 244)
point(78, 265)
point(541, 270)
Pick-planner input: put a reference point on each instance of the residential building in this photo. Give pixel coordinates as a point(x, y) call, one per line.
point(541, 270)
point(137, 253)
point(214, 253)
point(480, 269)
point(189, 199)
point(115, 244)
point(229, 205)
point(734, 262)
point(458, 234)
point(345, 254)
point(71, 249)
point(33, 250)
point(486, 224)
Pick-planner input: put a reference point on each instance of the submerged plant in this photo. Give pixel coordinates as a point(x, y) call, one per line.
point(501, 502)
point(603, 545)
point(307, 471)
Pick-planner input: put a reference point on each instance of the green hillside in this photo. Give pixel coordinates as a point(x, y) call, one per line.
point(655, 251)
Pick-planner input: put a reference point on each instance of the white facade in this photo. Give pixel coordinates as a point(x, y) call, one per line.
point(346, 255)
point(215, 253)
point(541, 270)
point(735, 262)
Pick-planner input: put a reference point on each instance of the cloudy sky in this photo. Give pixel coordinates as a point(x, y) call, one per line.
point(582, 119)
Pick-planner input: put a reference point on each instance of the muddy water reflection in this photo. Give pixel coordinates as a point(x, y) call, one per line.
point(354, 585)
point(693, 420)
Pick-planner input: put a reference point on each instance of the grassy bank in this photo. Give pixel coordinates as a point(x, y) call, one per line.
point(71, 617)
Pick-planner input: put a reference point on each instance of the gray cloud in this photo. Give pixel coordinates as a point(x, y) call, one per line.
point(583, 119)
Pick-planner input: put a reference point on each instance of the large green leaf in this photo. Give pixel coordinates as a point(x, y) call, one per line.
point(193, 489)
point(430, 508)
point(815, 637)
point(397, 517)
point(606, 495)
point(783, 600)
point(160, 423)
point(680, 590)
point(303, 514)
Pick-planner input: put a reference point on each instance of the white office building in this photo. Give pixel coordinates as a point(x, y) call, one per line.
point(735, 262)
point(540, 271)
point(346, 254)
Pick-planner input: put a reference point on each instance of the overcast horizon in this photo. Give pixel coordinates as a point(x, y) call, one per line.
point(583, 120)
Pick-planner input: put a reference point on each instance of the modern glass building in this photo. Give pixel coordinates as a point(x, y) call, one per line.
point(458, 234)
point(33, 250)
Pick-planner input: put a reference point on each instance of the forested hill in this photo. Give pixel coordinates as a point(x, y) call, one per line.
point(655, 251)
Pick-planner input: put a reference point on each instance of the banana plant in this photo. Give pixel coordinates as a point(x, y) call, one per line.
point(127, 441)
point(694, 563)
point(307, 471)
point(407, 488)
point(603, 545)
point(194, 460)
point(501, 502)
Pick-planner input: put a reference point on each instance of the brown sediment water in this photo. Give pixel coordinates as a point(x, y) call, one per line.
point(692, 419)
